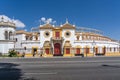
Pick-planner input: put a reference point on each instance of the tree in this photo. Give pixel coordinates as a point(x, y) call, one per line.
point(12, 53)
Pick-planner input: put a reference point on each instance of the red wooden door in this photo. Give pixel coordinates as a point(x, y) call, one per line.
point(96, 50)
point(57, 34)
point(104, 50)
point(87, 50)
point(57, 49)
point(78, 51)
point(67, 50)
point(47, 50)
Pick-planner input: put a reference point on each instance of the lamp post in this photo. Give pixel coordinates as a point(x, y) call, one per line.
point(93, 44)
point(119, 46)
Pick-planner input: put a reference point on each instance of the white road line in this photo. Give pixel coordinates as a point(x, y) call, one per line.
point(49, 73)
point(66, 61)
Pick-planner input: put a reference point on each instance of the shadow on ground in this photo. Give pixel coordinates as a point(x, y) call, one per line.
point(111, 66)
point(8, 71)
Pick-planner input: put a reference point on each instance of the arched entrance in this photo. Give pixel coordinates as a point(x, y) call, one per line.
point(77, 50)
point(104, 50)
point(57, 49)
point(96, 50)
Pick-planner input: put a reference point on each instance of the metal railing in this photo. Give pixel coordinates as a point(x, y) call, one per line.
point(57, 38)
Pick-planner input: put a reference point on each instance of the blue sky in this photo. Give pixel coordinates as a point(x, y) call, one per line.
point(103, 15)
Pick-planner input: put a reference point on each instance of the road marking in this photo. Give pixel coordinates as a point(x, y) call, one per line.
point(48, 62)
point(49, 73)
point(65, 61)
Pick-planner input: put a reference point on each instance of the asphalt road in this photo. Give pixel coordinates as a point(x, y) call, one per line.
point(98, 68)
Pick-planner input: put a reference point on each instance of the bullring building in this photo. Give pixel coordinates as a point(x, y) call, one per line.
point(49, 40)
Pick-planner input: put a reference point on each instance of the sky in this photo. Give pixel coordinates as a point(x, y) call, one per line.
point(102, 15)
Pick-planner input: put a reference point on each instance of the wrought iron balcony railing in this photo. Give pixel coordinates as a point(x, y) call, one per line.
point(57, 38)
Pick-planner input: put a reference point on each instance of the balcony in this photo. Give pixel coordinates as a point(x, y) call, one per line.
point(30, 41)
point(57, 38)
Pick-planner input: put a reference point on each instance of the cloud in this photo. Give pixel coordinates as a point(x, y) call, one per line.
point(17, 22)
point(25, 29)
point(47, 20)
point(53, 22)
point(43, 19)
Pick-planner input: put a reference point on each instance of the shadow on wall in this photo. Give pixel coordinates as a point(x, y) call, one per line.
point(8, 71)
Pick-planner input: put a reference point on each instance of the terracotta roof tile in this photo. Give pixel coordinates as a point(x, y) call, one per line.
point(47, 26)
point(67, 26)
point(22, 32)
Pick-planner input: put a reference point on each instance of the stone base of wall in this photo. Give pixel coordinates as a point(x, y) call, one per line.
point(68, 55)
point(31, 55)
point(89, 55)
point(47, 55)
point(112, 54)
point(72, 55)
point(28, 55)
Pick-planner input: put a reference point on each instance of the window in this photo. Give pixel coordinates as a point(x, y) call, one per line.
point(46, 33)
point(26, 37)
point(36, 37)
point(16, 39)
point(6, 35)
point(110, 49)
point(78, 36)
point(88, 37)
point(114, 49)
point(10, 35)
point(67, 34)
point(57, 34)
point(31, 37)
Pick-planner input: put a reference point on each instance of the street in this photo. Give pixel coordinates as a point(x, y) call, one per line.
point(58, 68)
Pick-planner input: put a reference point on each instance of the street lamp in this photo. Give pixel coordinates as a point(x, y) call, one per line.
point(119, 46)
point(93, 44)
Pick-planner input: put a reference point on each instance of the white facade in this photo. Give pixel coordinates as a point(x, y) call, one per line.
point(7, 33)
point(43, 38)
point(86, 40)
point(71, 38)
point(54, 40)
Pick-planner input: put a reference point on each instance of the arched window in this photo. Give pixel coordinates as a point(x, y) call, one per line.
point(36, 37)
point(10, 35)
point(31, 37)
point(78, 36)
point(114, 49)
point(26, 37)
point(110, 49)
point(6, 35)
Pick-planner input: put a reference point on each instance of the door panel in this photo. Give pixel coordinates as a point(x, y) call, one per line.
point(57, 48)
point(67, 50)
point(47, 50)
point(78, 51)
